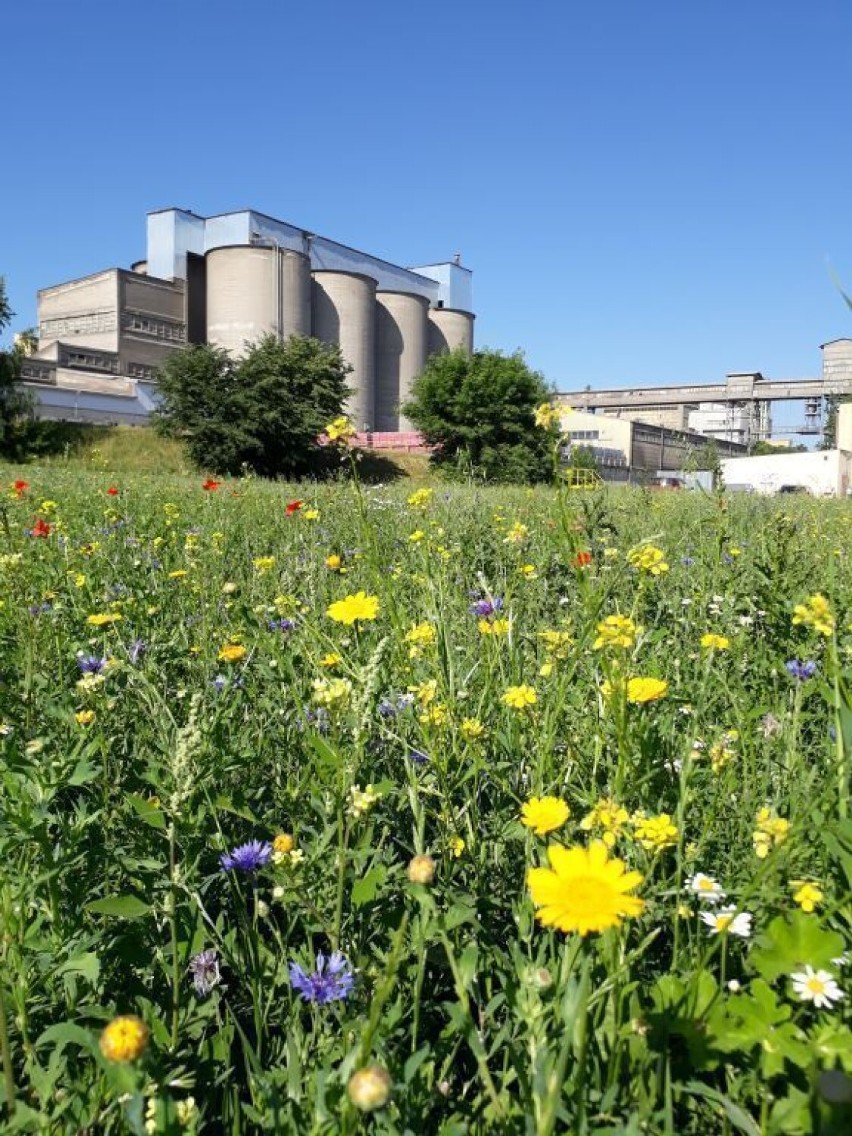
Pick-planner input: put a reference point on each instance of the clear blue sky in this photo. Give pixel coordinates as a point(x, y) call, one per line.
point(646, 192)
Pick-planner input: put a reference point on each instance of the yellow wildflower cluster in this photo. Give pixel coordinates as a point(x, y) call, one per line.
point(232, 653)
point(517, 534)
point(520, 697)
point(263, 564)
point(641, 690)
point(648, 558)
point(421, 498)
point(770, 831)
point(546, 415)
point(815, 612)
point(421, 635)
point(807, 894)
point(339, 429)
point(723, 750)
point(713, 642)
point(494, 626)
point(609, 816)
point(362, 800)
point(331, 691)
point(656, 832)
point(616, 631)
point(544, 814)
point(472, 729)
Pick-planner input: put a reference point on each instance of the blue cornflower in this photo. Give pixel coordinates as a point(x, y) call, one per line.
point(39, 609)
point(332, 981)
point(404, 701)
point(485, 608)
point(801, 671)
point(91, 664)
point(687, 561)
point(387, 709)
point(219, 683)
point(417, 757)
point(246, 857)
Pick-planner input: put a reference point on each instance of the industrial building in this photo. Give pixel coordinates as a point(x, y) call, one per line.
point(629, 450)
point(227, 280)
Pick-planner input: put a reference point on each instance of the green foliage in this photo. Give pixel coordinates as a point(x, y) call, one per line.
point(16, 405)
point(478, 410)
point(262, 412)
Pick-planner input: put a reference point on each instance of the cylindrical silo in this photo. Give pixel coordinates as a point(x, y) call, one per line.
point(450, 328)
point(255, 290)
point(343, 307)
point(401, 338)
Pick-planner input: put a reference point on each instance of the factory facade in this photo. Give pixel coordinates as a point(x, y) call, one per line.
point(227, 280)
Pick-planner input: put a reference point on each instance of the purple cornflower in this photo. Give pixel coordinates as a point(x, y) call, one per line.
point(387, 709)
point(331, 982)
point(246, 857)
point(486, 608)
point(39, 609)
point(417, 757)
point(687, 561)
point(801, 671)
point(281, 624)
point(219, 683)
point(204, 968)
point(91, 664)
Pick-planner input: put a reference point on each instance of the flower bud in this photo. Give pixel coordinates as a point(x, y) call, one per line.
point(369, 1088)
point(421, 869)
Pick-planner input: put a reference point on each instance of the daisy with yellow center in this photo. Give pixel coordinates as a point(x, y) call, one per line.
point(544, 814)
point(359, 608)
point(583, 890)
point(817, 986)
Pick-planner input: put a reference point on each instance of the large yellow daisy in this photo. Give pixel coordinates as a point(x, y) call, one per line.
point(358, 608)
point(583, 890)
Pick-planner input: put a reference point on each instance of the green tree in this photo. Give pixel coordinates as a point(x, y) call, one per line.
point(479, 411)
point(263, 411)
point(16, 404)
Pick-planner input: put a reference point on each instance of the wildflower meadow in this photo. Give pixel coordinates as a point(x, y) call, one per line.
point(336, 808)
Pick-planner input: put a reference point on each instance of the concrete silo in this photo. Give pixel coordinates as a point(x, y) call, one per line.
point(401, 341)
point(343, 306)
point(450, 328)
point(254, 290)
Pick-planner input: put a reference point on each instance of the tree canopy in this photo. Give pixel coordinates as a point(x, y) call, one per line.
point(16, 405)
point(479, 412)
point(263, 411)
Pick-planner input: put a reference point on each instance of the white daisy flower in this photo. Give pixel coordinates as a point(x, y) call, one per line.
point(817, 986)
point(706, 888)
point(726, 921)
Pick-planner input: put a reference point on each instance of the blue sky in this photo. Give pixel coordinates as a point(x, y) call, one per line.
point(646, 192)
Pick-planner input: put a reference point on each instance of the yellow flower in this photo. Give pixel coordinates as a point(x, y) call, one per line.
point(124, 1039)
point(646, 689)
point(426, 691)
point(362, 800)
point(334, 562)
point(583, 890)
point(546, 416)
point(520, 697)
point(807, 894)
point(311, 514)
point(331, 691)
point(528, 571)
point(85, 717)
point(416, 536)
point(609, 816)
point(494, 627)
point(434, 715)
point(456, 846)
point(770, 831)
point(815, 612)
point(517, 534)
point(421, 498)
point(713, 642)
point(232, 653)
point(556, 642)
point(332, 659)
point(48, 507)
point(178, 574)
point(263, 563)
point(723, 750)
point(616, 631)
point(282, 847)
point(79, 580)
point(544, 814)
point(105, 618)
point(656, 832)
point(421, 634)
point(648, 559)
point(340, 429)
point(358, 608)
point(472, 729)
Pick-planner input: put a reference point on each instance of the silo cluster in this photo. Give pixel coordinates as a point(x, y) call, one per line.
point(385, 336)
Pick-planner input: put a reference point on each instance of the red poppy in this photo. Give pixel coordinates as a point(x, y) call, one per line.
point(210, 484)
point(21, 487)
point(582, 559)
point(293, 507)
point(112, 491)
point(41, 528)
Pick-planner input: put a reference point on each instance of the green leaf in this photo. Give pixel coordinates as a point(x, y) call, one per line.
point(793, 942)
point(147, 811)
point(366, 888)
point(67, 1033)
point(738, 1117)
point(121, 906)
point(88, 964)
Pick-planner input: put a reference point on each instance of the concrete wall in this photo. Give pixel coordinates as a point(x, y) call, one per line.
point(343, 311)
point(824, 473)
point(401, 342)
point(254, 291)
point(84, 311)
point(449, 329)
point(597, 430)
